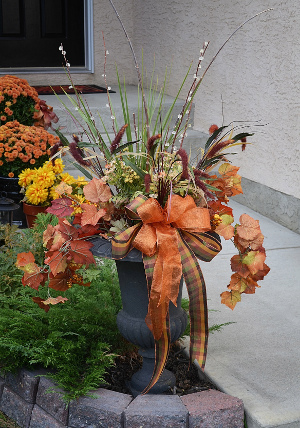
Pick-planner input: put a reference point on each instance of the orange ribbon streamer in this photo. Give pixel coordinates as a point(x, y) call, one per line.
point(158, 235)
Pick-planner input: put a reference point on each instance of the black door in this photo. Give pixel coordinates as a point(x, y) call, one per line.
point(31, 32)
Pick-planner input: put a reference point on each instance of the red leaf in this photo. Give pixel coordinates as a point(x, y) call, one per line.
point(57, 262)
point(219, 208)
point(97, 191)
point(88, 230)
point(80, 252)
point(68, 231)
point(33, 279)
point(60, 281)
point(91, 214)
point(238, 266)
point(61, 207)
point(41, 303)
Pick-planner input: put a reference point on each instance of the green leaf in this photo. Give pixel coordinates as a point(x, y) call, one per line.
point(120, 148)
point(241, 135)
point(135, 168)
point(214, 136)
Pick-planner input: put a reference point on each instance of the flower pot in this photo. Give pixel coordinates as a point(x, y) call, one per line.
point(131, 319)
point(12, 189)
point(31, 211)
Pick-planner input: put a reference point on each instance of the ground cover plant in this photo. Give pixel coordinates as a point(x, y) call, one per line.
point(77, 341)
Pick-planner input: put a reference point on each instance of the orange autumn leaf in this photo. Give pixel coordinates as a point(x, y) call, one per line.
point(248, 229)
point(231, 179)
point(63, 188)
point(225, 228)
point(80, 252)
point(254, 261)
point(251, 286)
point(24, 259)
point(91, 215)
point(238, 283)
point(33, 279)
point(255, 244)
point(259, 275)
point(218, 208)
point(238, 266)
point(97, 191)
point(230, 298)
point(57, 262)
point(48, 236)
point(68, 231)
point(55, 300)
point(242, 285)
point(57, 242)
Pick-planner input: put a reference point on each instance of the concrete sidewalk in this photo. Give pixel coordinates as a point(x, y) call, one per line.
point(257, 359)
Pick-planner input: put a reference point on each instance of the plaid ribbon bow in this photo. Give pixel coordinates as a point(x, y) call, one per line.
point(171, 239)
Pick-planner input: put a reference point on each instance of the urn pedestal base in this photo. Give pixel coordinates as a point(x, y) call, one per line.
point(131, 324)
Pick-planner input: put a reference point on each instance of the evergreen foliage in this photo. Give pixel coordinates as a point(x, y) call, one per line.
point(76, 341)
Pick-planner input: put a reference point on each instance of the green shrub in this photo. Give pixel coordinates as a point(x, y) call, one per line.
point(76, 341)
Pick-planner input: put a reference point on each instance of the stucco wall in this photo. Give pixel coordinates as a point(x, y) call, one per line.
point(256, 74)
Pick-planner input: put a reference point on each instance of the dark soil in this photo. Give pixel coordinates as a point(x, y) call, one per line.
point(187, 378)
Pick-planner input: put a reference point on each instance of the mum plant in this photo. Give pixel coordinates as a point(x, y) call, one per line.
point(23, 146)
point(20, 101)
point(148, 193)
point(39, 184)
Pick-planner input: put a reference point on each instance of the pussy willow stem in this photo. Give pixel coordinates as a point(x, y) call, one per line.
point(137, 70)
point(227, 40)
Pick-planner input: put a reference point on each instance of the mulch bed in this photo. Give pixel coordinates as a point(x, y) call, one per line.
point(187, 379)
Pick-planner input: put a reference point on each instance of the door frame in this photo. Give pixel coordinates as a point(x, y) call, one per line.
point(88, 50)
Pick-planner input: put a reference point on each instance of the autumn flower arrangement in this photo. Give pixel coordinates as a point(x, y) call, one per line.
point(148, 193)
point(41, 185)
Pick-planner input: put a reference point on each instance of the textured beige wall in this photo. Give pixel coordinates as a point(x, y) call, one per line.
point(256, 74)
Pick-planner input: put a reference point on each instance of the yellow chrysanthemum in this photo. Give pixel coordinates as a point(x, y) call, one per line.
point(76, 207)
point(45, 177)
point(53, 194)
point(26, 176)
point(36, 194)
point(81, 181)
point(67, 178)
point(59, 166)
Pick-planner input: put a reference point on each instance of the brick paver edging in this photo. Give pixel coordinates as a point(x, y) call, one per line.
point(25, 397)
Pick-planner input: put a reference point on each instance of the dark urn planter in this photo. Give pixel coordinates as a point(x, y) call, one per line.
point(12, 189)
point(131, 319)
